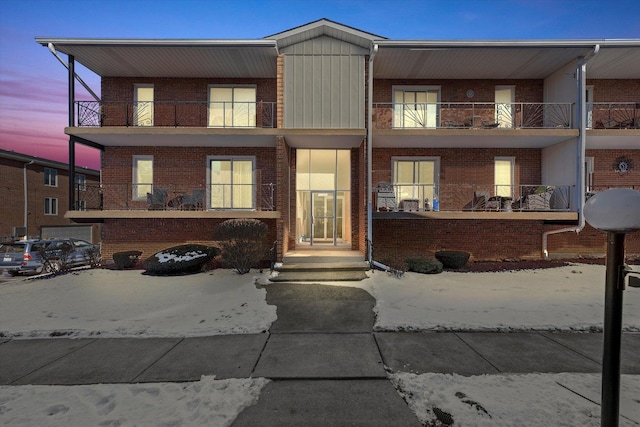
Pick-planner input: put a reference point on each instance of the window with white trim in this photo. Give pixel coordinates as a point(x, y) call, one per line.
point(416, 178)
point(504, 176)
point(142, 181)
point(50, 206)
point(416, 106)
point(143, 105)
point(232, 106)
point(231, 182)
point(50, 177)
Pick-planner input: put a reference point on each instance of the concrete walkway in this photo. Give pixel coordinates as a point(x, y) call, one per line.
point(326, 364)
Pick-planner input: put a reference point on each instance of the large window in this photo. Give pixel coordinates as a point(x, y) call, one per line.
point(143, 105)
point(50, 177)
point(416, 178)
point(504, 176)
point(232, 106)
point(50, 206)
point(231, 182)
point(142, 177)
point(416, 107)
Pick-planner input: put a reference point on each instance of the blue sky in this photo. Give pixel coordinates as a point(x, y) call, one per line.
point(33, 86)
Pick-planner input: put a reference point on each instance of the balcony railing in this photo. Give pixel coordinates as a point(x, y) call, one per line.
point(456, 115)
point(613, 115)
point(157, 196)
point(176, 114)
point(471, 197)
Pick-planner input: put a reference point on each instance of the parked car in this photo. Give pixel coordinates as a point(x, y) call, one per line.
point(36, 256)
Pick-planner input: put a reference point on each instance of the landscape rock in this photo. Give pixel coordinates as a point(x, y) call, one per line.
point(424, 265)
point(453, 259)
point(181, 259)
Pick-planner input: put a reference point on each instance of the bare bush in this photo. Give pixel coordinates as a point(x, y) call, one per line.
point(242, 242)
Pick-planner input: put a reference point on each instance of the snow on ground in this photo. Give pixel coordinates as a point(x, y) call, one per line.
point(129, 304)
point(559, 400)
point(112, 303)
point(207, 402)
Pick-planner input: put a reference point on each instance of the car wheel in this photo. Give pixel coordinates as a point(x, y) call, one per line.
point(52, 267)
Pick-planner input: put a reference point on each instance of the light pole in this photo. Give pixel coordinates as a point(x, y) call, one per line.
point(616, 212)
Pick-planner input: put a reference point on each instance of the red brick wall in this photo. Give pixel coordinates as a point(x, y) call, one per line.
point(605, 174)
point(395, 240)
point(607, 90)
point(151, 235)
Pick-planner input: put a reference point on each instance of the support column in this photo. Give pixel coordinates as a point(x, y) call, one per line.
point(72, 148)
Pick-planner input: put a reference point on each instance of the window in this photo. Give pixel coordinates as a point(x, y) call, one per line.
point(232, 106)
point(50, 177)
point(416, 107)
point(416, 178)
point(231, 181)
point(81, 182)
point(143, 105)
point(504, 171)
point(142, 177)
point(588, 174)
point(50, 206)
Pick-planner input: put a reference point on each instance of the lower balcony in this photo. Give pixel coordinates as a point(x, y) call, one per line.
point(128, 200)
point(473, 201)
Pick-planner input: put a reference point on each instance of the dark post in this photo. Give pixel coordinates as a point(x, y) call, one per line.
point(72, 148)
point(614, 287)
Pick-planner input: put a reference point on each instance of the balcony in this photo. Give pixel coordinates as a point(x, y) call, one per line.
point(176, 114)
point(158, 200)
point(472, 115)
point(613, 115)
point(474, 201)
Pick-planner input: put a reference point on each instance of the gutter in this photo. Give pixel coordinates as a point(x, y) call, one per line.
point(581, 150)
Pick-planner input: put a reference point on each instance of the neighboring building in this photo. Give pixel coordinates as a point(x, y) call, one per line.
point(336, 137)
point(46, 184)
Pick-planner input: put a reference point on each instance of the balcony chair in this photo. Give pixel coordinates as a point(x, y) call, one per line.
point(158, 199)
point(479, 202)
point(386, 199)
point(193, 201)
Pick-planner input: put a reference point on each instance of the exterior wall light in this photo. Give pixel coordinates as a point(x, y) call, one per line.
point(616, 212)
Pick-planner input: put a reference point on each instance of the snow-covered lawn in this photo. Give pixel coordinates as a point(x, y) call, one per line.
point(128, 304)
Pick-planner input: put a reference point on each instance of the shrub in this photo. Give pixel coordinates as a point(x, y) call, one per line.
point(453, 259)
point(182, 259)
point(242, 242)
point(424, 265)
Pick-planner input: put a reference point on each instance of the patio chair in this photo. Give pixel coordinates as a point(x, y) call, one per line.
point(386, 200)
point(193, 201)
point(479, 201)
point(158, 199)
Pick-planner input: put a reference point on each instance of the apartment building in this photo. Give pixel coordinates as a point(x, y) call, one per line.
point(339, 138)
point(35, 198)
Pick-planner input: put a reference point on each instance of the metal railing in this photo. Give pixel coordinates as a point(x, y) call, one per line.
point(158, 196)
point(613, 115)
point(471, 197)
point(456, 115)
point(176, 114)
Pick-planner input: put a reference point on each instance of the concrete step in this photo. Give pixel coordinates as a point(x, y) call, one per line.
point(324, 266)
point(319, 276)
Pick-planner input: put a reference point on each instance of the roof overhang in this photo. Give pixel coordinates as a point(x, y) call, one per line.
point(171, 58)
point(514, 59)
point(324, 138)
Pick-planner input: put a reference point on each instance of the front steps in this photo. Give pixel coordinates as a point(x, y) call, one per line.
point(326, 266)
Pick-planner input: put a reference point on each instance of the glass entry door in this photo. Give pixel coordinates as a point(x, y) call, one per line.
point(323, 212)
point(324, 217)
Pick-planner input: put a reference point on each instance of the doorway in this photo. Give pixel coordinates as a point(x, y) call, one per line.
point(323, 197)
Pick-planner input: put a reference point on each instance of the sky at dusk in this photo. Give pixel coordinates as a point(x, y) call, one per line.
point(33, 84)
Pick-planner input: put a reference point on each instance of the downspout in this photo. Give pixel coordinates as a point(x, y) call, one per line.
point(372, 55)
point(581, 149)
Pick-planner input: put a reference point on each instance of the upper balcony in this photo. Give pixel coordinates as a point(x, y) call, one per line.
point(176, 114)
point(473, 115)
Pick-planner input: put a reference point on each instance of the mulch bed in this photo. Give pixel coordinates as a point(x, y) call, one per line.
point(532, 264)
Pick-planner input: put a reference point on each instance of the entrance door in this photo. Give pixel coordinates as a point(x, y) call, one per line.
point(323, 180)
point(324, 217)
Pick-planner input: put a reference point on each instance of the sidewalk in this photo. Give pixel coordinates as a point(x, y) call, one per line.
point(325, 361)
